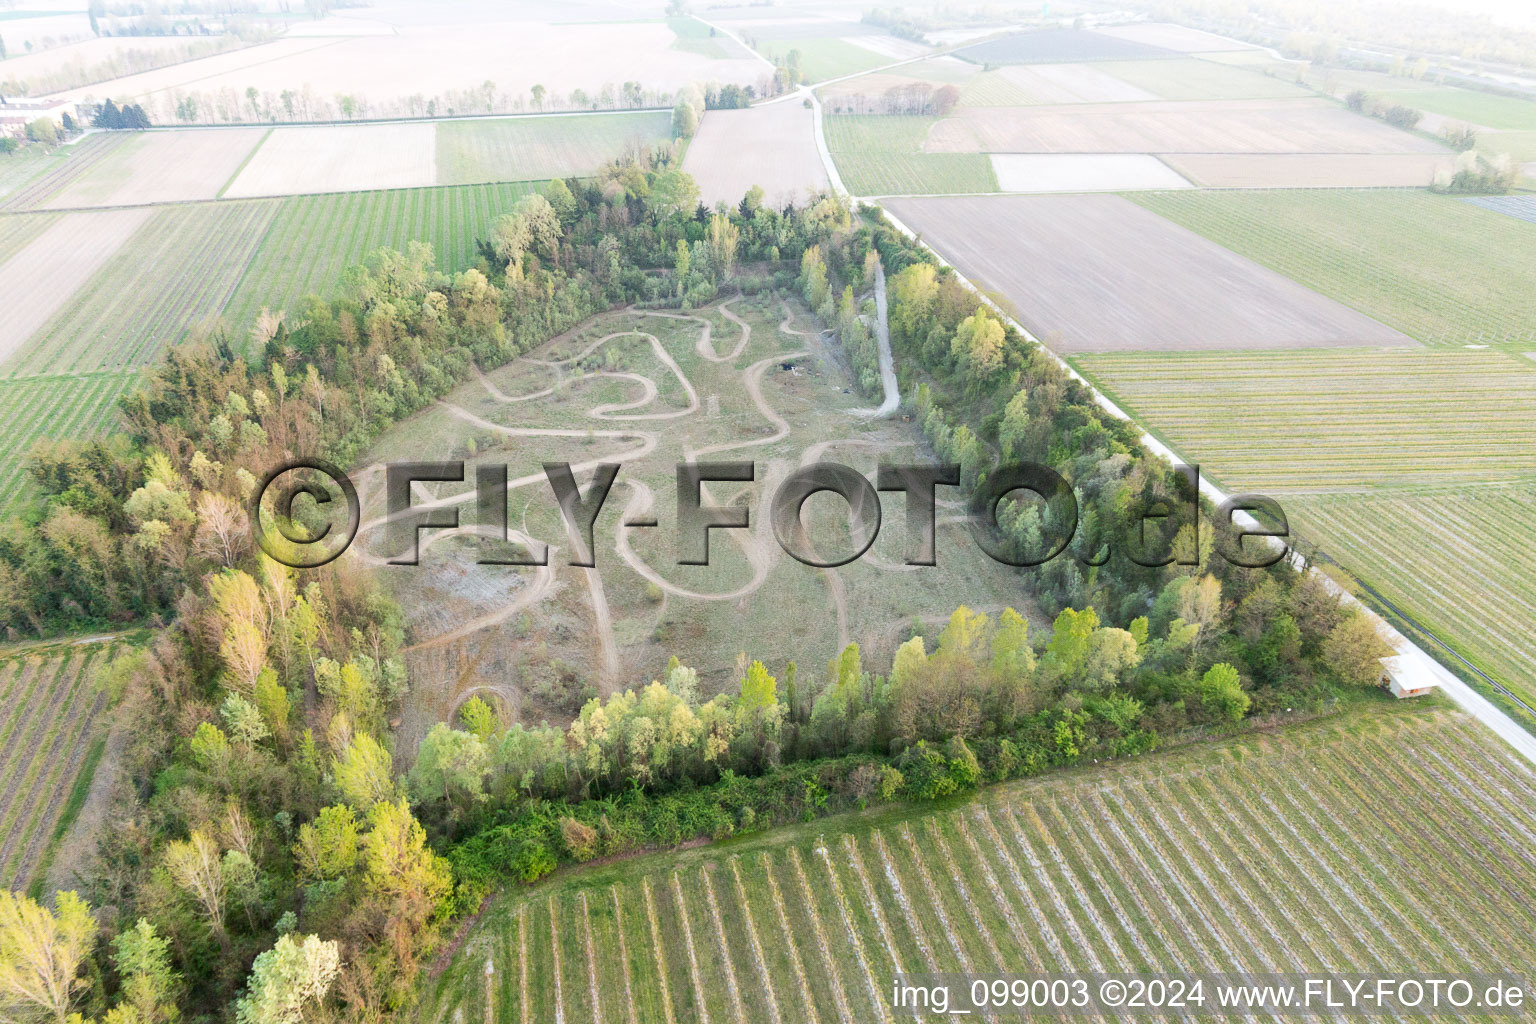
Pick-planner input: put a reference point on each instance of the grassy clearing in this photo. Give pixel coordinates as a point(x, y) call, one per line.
point(1462, 563)
point(993, 89)
point(17, 168)
point(51, 718)
point(1280, 852)
point(1474, 106)
point(65, 405)
point(1439, 270)
point(313, 239)
point(878, 155)
point(1189, 78)
point(51, 172)
point(823, 58)
point(540, 148)
point(693, 36)
point(1295, 421)
point(115, 322)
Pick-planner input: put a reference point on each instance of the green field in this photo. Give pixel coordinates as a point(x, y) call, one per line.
point(1471, 105)
point(36, 177)
point(879, 155)
point(1363, 446)
point(1334, 419)
point(119, 319)
point(693, 36)
point(60, 406)
point(1189, 78)
point(822, 58)
point(539, 148)
point(1280, 853)
point(1463, 560)
point(993, 89)
point(52, 712)
point(1439, 270)
point(313, 239)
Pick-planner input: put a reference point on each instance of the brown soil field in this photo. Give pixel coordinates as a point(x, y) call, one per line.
point(1234, 126)
point(1072, 83)
point(1307, 170)
point(772, 145)
point(343, 158)
point(37, 280)
point(160, 167)
point(1098, 274)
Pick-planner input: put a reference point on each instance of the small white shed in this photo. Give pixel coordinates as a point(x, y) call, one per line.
point(1403, 678)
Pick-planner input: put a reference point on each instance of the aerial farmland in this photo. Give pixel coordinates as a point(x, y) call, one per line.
point(660, 511)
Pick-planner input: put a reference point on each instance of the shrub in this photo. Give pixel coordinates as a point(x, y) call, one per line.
point(580, 840)
point(533, 861)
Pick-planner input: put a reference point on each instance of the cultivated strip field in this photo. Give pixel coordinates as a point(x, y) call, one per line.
point(1308, 421)
point(159, 167)
point(1166, 126)
point(1402, 257)
point(1190, 78)
point(540, 148)
point(345, 158)
point(52, 730)
point(1280, 853)
point(1176, 37)
point(1523, 207)
point(1463, 563)
point(1308, 170)
point(1095, 274)
point(883, 155)
point(773, 146)
point(178, 271)
point(1082, 172)
point(313, 239)
point(1058, 46)
point(65, 406)
point(39, 278)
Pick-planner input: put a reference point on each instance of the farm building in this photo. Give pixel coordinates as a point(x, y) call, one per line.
point(15, 114)
point(1404, 680)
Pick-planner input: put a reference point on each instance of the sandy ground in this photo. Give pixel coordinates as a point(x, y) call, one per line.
point(1082, 172)
point(160, 167)
point(1176, 37)
point(433, 60)
point(345, 158)
point(1234, 126)
point(1307, 170)
point(1072, 83)
point(1098, 274)
point(773, 146)
point(38, 280)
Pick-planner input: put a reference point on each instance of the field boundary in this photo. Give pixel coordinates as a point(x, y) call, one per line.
point(243, 163)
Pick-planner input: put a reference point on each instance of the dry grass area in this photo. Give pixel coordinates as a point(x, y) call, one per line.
point(40, 277)
point(773, 146)
point(452, 54)
point(1082, 172)
point(1244, 126)
point(1307, 170)
point(343, 158)
point(648, 390)
point(1072, 83)
point(1097, 274)
point(160, 167)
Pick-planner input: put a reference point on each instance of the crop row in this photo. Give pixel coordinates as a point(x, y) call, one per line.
point(1439, 270)
point(17, 230)
point(539, 148)
point(52, 712)
point(69, 163)
point(1295, 859)
point(1463, 564)
point(1307, 420)
point(76, 407)
point(313, 239)
point(118, 320)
